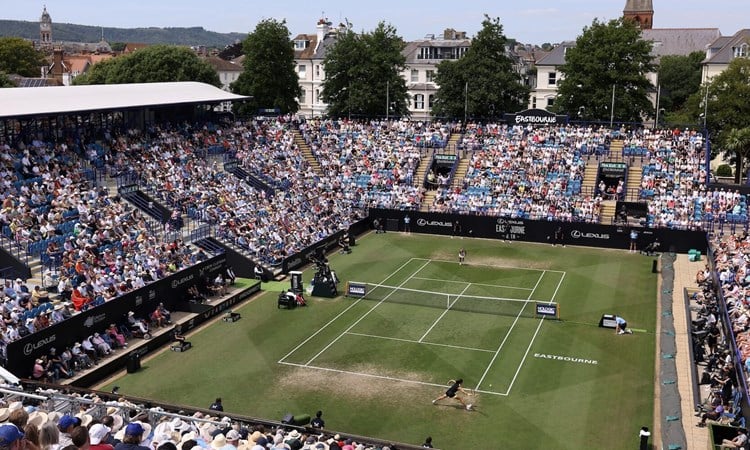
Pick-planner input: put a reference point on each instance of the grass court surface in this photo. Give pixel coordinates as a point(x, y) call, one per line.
point(374, 365)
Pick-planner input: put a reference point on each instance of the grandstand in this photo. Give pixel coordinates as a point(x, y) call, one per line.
point(149, 199)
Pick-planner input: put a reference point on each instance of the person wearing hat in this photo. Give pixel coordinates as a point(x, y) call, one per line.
point(132, 437)
point(65, 425)
point(99, 437)
point(11, 438)
point(293, 440)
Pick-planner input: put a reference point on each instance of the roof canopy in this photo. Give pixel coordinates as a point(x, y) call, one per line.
point(42, 101)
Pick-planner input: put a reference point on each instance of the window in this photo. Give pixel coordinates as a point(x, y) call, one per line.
point(550, 102)
point(419, 101)
point(430, 76)
point(533, 102)
point(741, 51)
point(302, 96)
point(302, 70)
point(300, 45)
point(552, 79)
point(317, 96)
point(317, 70)
point(431, 101)
point(414, 75)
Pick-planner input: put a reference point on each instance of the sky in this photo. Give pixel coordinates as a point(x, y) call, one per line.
point(531, 22)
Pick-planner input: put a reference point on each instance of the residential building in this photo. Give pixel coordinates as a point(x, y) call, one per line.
point(228, 72)
point(665, 41)
point(422, 59)
point(723, 50)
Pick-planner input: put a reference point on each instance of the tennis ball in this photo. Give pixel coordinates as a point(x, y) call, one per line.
point(490, 385)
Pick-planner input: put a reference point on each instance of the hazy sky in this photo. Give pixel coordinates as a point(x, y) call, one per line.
point(533, 22)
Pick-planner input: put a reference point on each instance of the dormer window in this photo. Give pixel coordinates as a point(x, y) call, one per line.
point(741, 51)
point(301, 44)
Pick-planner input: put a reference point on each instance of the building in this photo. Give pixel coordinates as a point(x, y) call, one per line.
point(45, 30)
point(309, 53)
point(228, 72)
point(422, 59)
point(723, 50)
point(665, 41)
point(641, 12)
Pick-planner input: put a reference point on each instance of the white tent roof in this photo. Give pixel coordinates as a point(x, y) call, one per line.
point(18, 102)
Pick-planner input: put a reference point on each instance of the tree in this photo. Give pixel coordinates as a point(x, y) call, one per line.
point(607, 57)
point(363, 74)
point(156, 63)
point(269, 74)
point(737, 142)
point(18, 56)
point(483, 82)
point(5, 82)
point(723, 105)
point(679, 78)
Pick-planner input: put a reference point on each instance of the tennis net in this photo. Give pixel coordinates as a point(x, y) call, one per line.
point(458, 302)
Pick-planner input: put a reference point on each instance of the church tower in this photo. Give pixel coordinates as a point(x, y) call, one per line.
point(45, 29)
point(640, 11)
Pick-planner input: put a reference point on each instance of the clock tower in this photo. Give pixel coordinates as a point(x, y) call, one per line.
point(45, 29)
point(641, 12)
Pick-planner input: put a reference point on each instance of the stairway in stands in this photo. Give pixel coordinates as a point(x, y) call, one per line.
point(307, 153)
point(635, 173)
point(453, 141)
point(615, 150)
point(607, 215)
point(460, 174)
point(588, 184)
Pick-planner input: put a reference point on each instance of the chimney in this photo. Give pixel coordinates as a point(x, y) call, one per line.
point(57, 63)
point(324, 26)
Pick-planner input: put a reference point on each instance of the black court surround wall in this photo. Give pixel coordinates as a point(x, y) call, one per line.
point(575, 233)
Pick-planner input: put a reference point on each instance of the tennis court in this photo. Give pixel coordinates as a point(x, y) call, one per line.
point(470, 322)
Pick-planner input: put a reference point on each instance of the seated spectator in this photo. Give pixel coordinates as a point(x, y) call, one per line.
point(715, 414)
point(39, 295)
point(102, 348)
point(137, 326)
point(79, 298)
point(117, 337)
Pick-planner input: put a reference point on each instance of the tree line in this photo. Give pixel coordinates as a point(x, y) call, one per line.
point(607, 67)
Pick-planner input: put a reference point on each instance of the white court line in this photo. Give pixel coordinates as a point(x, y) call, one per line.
point(339, 315)
point(490, 265)
point(443, 314)
point(382, 377)
point(421, 342)
point(364, 315)
point(502, 344)
point(533, 338)
point(475, 284)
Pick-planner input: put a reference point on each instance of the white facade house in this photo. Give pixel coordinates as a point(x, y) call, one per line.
point(723, 50)
point(228, 72)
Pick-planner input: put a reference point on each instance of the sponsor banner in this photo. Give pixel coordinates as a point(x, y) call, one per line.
point(535, 117)
point(230, 165)
point(142, 302)
point(547, 310)
point(355, 289)
point(517, 229)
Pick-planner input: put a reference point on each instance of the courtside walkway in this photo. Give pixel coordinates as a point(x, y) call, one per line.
point(684, 277)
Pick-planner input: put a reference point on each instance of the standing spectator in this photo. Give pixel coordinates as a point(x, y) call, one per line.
point(427, 442)
point(318, 422)
point(216, 405)
point(407, 224)
point(633, 240)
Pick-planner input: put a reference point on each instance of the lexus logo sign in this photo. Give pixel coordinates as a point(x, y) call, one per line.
point(577, 234)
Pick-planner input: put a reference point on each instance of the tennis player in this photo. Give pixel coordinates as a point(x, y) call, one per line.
point(453, 391)
point(461, 256)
